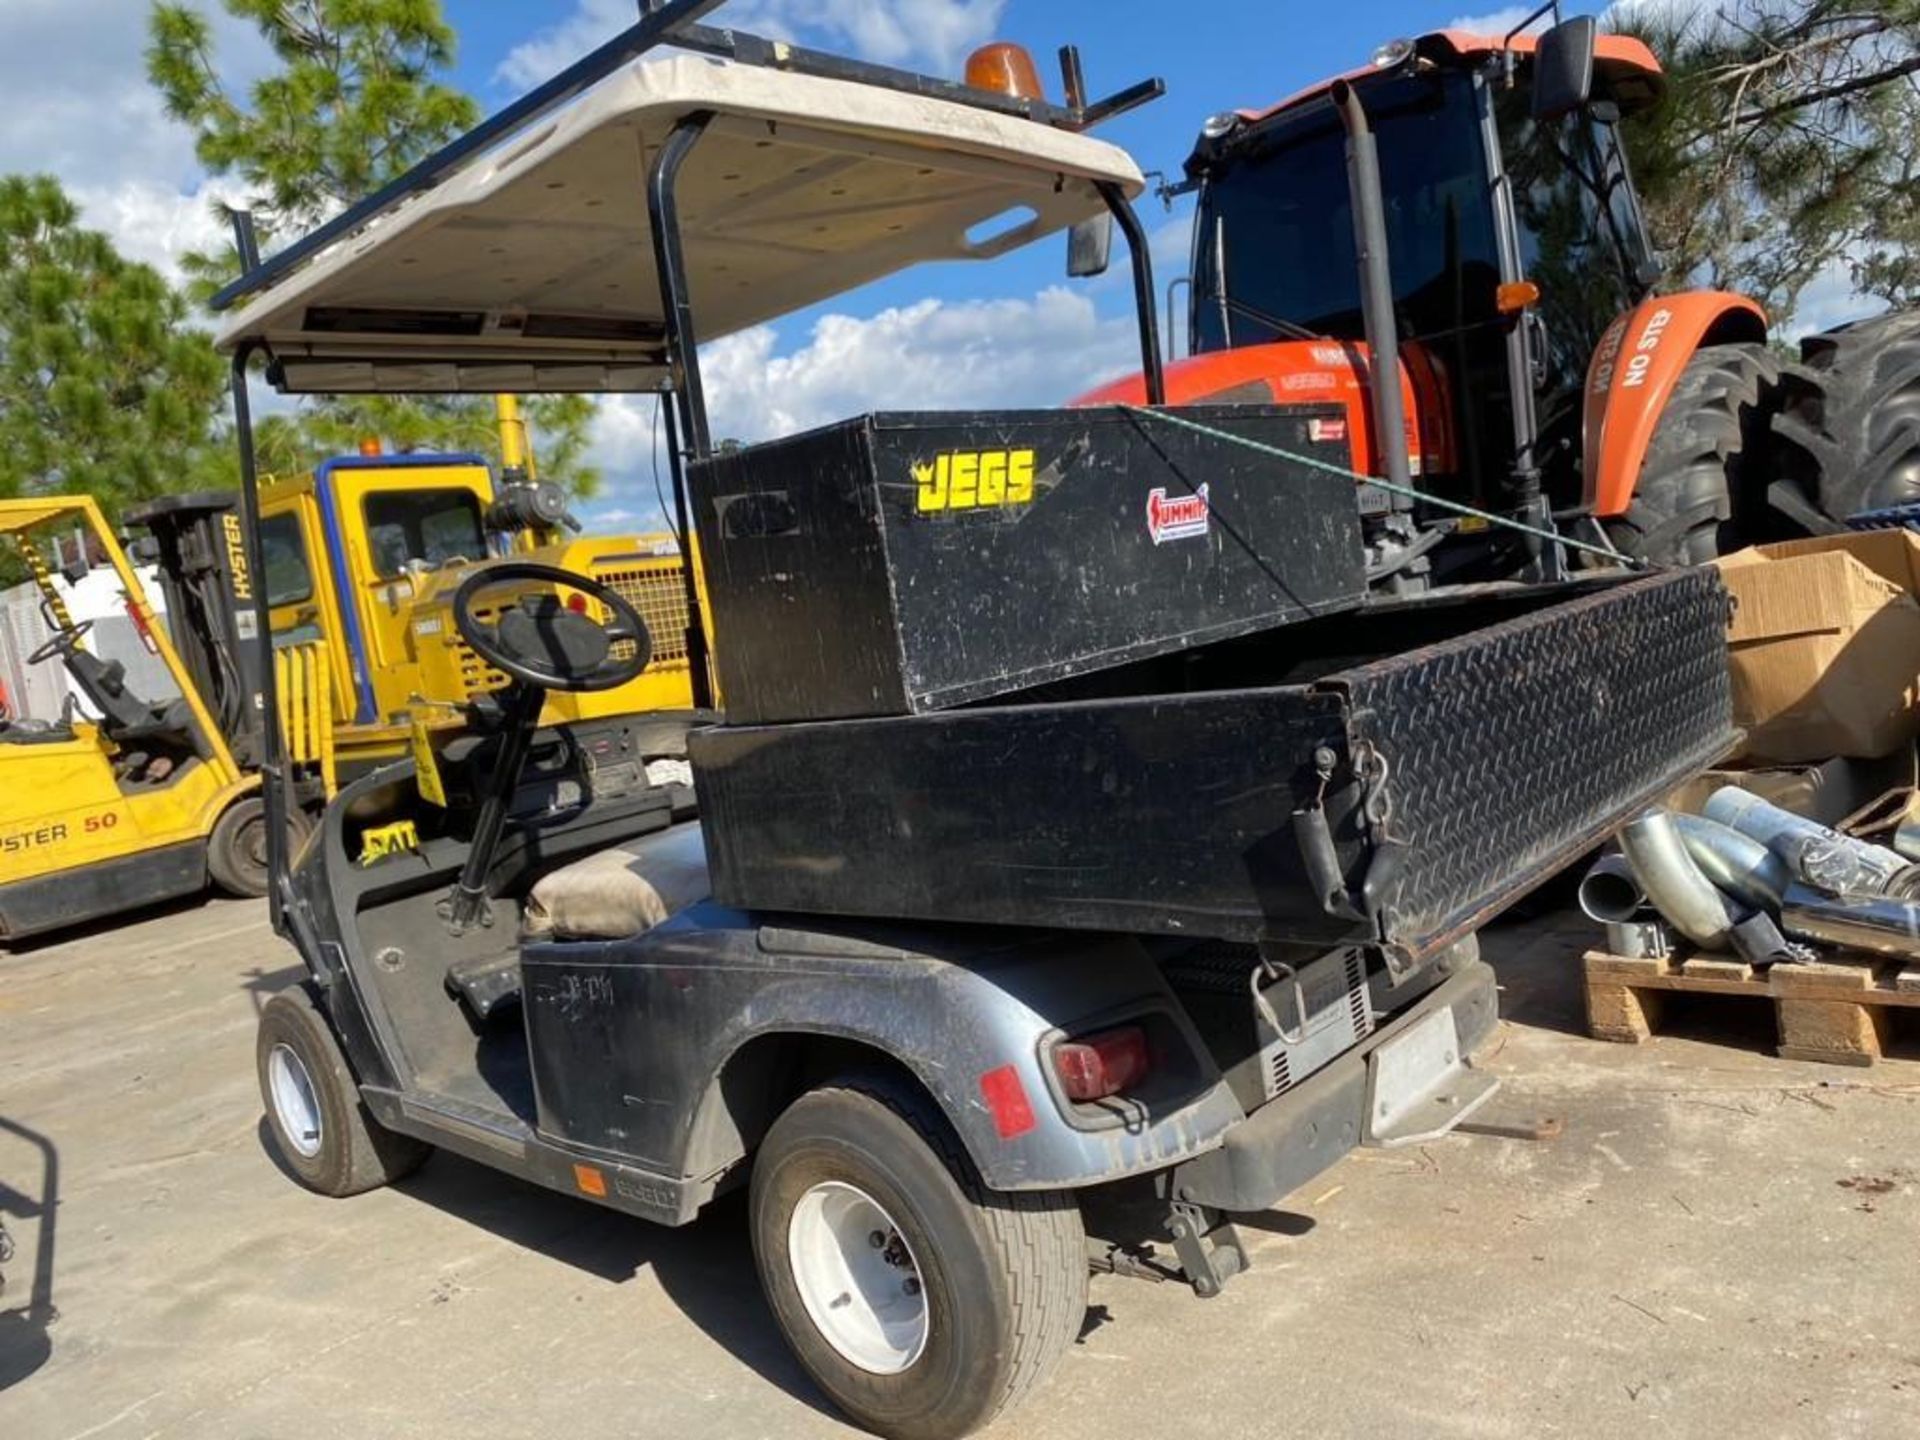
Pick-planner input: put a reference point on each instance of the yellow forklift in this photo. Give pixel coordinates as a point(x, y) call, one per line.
point(361, 560)
point(143, 803)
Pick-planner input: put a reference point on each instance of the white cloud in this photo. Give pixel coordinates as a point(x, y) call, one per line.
point(935, 355)
point(936, 34)
point(79, 107)
point(1830, 300)
point(1494, 22)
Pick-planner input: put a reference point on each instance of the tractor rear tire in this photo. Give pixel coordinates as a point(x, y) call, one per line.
point(319, 1124)
point(1693, 500)
point(1849, 431)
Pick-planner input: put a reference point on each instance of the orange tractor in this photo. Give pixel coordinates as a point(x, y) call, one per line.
point(1462, 209)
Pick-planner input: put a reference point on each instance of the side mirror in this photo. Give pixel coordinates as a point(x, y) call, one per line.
point(1563, 68)
point(1090, 247)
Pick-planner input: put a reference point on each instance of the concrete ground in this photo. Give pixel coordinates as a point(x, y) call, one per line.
point(1720, 1243)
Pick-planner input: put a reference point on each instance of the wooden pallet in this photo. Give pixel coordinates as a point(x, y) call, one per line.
point(1836, 1011)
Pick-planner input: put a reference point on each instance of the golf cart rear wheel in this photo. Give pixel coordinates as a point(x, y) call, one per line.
point(237, 849)
point(319, 1124)
point(921, 1302)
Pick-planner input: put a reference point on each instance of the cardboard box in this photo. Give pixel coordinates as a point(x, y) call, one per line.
point(1825, 645)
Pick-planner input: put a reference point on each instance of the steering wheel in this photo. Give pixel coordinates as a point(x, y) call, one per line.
point(542, 642)
point(61, 643)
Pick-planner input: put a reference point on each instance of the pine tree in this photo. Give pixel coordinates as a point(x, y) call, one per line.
point(1786, 144)
point(105, 389)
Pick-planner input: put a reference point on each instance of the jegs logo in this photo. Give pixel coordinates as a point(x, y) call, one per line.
point(1177, 517)
point(974, 480)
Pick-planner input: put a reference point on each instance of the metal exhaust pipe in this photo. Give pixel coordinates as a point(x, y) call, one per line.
point(1823, 858)
point(1879, 925)
point(1674, 883)
point(1376, 289)
point(1735, 863)
point(1610, 893)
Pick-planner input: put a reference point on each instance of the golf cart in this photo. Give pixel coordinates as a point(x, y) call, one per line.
point(1074, 815)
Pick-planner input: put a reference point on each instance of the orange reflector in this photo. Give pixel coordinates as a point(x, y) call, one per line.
point(590, 1181)
point(369, 445)
point(1515, 296)
point(1006, 68)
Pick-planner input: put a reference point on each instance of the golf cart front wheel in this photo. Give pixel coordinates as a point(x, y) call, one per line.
point(318, 1122)
point(921, 1302)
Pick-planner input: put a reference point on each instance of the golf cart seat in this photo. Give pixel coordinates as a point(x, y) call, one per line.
point(610, 895)
point(620, 892)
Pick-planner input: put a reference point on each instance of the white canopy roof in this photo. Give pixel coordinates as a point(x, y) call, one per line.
point(532, 269)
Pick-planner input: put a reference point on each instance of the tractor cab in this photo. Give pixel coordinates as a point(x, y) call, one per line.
point(1514, 271)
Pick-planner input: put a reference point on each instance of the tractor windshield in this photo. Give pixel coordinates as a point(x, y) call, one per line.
point(1274, 245)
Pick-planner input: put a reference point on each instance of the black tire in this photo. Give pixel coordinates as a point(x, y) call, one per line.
point(237, 849)
point(1004, 1276)
point(353, 1152)
point(1693, 500)
point(1849, 428)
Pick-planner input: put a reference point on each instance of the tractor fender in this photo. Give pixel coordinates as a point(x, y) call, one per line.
point(1631, 377)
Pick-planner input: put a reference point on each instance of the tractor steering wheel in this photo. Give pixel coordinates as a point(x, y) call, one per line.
point(544, 643)
point(62, 642)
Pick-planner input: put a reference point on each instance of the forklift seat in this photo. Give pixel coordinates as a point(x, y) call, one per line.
point(125, 716)
point(620, 892)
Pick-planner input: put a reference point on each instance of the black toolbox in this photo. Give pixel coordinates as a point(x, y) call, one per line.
point(1391, 777)
point(905, 563)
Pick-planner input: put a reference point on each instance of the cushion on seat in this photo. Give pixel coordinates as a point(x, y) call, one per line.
point(620, 892)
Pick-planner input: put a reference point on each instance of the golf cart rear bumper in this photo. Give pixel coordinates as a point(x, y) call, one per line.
point(1284, 1144)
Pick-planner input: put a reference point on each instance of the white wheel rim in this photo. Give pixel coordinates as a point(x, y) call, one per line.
point(866, 1299)
point(294, 1104)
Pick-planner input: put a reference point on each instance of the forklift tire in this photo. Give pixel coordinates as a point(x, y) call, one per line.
point(1849, 432)
point(237, 849)
point(319, 1123)
point(1692, 501)
point(921, 1302)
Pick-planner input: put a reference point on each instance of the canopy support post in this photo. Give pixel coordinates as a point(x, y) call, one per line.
point(699, 656)
point(676, 303)
point(683, 368)
point(1146, 300)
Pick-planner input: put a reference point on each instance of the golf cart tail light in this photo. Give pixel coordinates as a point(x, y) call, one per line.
point(1007, 1102)
point(1394, 52)
point(1005, 69)
point(1109, 1063)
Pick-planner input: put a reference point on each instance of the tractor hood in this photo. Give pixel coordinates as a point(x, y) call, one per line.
point(531, 267)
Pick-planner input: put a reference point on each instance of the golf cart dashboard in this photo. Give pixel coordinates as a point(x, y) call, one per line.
point(569, 766)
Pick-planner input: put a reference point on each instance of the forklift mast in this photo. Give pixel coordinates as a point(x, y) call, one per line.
point(200, 548)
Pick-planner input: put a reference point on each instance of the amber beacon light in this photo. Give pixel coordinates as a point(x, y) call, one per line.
point(1006, 68)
